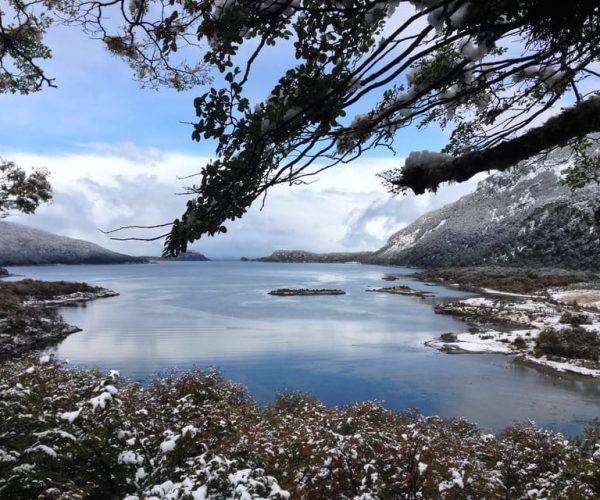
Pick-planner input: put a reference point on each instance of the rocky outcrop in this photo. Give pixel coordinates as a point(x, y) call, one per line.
point(29, 317)
point(22, 245)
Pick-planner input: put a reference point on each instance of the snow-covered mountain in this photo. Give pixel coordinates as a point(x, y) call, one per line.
point(525, 216)
point(22, 245)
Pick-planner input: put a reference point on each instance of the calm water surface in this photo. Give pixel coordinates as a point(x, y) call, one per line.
point(341, 348)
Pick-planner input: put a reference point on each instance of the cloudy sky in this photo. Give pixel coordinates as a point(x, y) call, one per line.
point(116, 154)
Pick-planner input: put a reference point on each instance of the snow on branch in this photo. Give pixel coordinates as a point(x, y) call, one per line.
point(426, 170)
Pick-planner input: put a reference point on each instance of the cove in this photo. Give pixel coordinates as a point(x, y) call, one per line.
point(173, 316)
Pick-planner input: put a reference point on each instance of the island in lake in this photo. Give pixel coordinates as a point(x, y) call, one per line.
point(401, 290)
point(287, 292)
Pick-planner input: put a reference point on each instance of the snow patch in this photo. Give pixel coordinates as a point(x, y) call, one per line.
point(43, 448)
point(169, 444)
point(70, 416)
point(100, 401)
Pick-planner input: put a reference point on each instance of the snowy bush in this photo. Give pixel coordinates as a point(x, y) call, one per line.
point(84, 434)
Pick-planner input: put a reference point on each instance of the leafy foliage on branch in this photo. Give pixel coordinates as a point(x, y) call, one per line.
point(359, 72)
point(21, 44)
point(586, 164)
point(20, 191)
point(149, 35)
point(486, 70)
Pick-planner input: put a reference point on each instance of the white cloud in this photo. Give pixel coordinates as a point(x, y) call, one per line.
point(147, 156)
point(109, 186)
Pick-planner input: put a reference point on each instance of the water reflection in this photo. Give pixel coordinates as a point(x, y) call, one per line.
point(342, 349)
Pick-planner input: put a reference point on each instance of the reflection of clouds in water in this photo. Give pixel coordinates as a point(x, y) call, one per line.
point(216, 338)
point(330, 278)
point(357, 346)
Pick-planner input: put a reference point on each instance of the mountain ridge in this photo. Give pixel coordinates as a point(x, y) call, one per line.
point(23, 245)
point(525, 216)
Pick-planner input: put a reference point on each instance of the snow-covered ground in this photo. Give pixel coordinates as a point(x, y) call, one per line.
point(524, 320)
point(73, 298)
point(508, 294)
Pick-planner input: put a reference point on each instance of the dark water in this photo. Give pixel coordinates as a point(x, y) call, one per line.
point(340, 348)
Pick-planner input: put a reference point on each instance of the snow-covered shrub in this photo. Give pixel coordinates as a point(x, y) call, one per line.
point(84, 434)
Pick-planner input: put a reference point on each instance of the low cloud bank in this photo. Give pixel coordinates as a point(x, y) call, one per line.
point(109, 186)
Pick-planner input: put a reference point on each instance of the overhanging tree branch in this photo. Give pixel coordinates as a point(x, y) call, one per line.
point(422, 172)
point(484, 70)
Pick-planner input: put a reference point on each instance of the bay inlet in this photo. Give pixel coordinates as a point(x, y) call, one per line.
point(174, 316)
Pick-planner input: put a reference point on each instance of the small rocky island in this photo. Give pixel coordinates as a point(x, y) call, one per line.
point(288, 292)
point(402, 290)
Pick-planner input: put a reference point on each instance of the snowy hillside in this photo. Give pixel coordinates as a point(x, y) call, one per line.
point(522, 217)
point(22, 245)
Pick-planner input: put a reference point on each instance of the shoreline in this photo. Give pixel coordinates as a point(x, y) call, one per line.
point(35, 323)
point(515, 324)
point(74, 299)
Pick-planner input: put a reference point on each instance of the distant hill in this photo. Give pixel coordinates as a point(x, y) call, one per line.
point(189, 257)
point(303, 256)
point(21, 245)
point(522, 217)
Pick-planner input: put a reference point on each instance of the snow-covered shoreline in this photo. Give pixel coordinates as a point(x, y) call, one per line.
point(511, 324)
point(76, 298)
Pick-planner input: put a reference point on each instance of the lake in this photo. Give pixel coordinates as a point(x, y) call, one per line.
point(179, 315)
